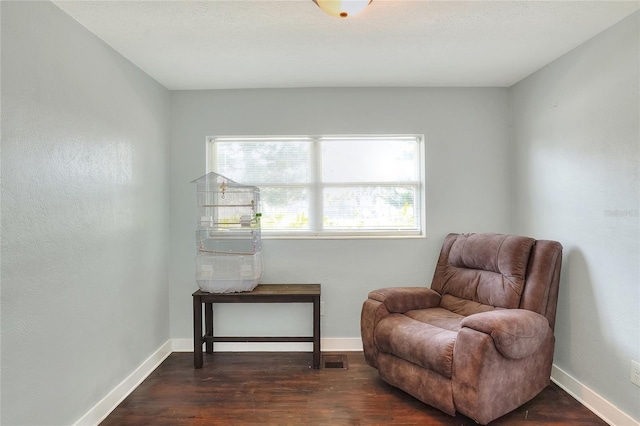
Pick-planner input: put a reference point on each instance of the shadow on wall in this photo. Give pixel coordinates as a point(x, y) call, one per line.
point(585, 346)
point(577, 313)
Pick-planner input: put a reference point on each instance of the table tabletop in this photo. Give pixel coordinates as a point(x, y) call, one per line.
point(271, 290)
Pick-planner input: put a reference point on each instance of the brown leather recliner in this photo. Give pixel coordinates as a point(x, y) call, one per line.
point(480, 341)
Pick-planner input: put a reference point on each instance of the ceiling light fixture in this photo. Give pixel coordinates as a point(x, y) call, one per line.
point(342, 8)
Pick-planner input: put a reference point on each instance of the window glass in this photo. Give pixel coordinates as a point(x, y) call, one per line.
point(347, 186)
point(369, 160)
point(264, 161)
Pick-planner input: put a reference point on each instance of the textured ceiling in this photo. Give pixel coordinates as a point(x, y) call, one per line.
point(292, 43)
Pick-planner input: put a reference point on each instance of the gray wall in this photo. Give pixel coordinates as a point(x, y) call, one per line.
point(577, 138)
point(468, 190)
point(84, 216)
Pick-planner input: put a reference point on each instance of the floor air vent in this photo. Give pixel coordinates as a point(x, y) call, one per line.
point(335, 361)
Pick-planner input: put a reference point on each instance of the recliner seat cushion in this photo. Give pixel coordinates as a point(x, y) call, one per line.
point(405, 337)
point(438, 317)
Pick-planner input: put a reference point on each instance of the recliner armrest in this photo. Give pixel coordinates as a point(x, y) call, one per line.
point(402, 299)
point(516, 333)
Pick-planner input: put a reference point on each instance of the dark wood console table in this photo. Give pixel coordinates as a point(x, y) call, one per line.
point(263, 293)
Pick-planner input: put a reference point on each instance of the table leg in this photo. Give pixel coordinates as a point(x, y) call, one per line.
point(208, 326)
point(197, 332)
point(316, 332)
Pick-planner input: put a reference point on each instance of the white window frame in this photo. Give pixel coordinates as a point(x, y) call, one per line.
point(316, 189)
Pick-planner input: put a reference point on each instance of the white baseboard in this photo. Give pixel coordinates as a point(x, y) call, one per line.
point(341, 344)
point(590, 399)
point(107, 404)
point(329, 344)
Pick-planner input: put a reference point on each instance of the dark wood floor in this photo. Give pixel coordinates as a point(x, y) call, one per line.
point(281, 389)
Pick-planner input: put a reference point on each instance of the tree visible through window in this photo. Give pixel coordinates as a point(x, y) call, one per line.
point(330, 185)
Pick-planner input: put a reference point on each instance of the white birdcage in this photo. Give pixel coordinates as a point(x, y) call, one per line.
point(228, 241)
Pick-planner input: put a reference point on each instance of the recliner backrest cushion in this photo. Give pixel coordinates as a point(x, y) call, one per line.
point(480, 272)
